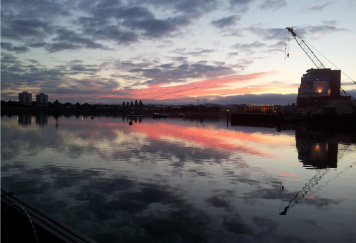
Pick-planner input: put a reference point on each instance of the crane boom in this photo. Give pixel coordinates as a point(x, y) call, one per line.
point(306, 49)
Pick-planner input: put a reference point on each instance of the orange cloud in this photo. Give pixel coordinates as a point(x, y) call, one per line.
point(211, 87)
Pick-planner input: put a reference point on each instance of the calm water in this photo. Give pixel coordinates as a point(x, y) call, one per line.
point(178, 180)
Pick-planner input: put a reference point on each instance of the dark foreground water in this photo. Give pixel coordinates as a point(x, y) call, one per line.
point(178, 180)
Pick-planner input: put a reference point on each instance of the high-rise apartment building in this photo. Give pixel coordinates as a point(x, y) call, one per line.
point(41, 100)
point(25, 98)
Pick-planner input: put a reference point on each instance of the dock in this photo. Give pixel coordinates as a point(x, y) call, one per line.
point(21, 222)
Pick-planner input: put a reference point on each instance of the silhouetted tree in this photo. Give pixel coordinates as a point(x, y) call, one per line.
point(136, 104)
point(131, 103)
point(56, 103)
point(140, 103)
point(123, 103)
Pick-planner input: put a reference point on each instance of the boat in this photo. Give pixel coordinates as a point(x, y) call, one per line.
point(159, 115)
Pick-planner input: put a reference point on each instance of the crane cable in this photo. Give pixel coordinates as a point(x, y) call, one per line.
point(332, 63)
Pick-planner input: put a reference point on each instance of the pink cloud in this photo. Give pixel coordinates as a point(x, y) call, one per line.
point(211, 87)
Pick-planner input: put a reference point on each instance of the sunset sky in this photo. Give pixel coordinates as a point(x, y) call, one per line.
point(171, 51)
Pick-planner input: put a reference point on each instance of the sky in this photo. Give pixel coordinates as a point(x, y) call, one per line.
point(171, 51)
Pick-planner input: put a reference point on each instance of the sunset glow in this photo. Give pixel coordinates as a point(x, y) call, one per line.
point(168, 52)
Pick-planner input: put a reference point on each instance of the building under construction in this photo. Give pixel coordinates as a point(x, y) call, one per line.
point(318, 86)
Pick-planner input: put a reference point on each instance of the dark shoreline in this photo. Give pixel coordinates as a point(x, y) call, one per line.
point(338, 122)
point(344, 122)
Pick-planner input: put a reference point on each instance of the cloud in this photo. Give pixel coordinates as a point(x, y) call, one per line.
point(273, 4)
point(317, 8)
point(89, 25)
point(154, 28)
point(224, 22)
point(171, 73)
point(249, 47)
point(67, 39)
point(242, 5)
point(161, 80)
point(19, 74)
point(18, 49)
point(192, 8)
point(204, 88)
point(312, 31)
point(21, 29)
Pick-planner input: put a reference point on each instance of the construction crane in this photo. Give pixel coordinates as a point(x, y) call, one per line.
point(314, 58)
point(306, 49)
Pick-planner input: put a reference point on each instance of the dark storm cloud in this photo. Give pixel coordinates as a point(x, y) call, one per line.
point(224, 22)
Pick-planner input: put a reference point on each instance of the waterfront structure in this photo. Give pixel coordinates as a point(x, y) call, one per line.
point(41, 100)
point(318, 86)
point(25, 98)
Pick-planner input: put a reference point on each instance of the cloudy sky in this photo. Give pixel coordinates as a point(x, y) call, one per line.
point(171, 51)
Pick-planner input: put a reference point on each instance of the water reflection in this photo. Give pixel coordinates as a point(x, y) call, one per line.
point(24, 119)
point(41, 118)
point(317, 149)
point(178, 180)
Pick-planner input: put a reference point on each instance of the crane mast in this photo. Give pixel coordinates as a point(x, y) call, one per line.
point(307, 49)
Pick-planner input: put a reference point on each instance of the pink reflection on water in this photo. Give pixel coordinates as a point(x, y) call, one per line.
point(207, 137)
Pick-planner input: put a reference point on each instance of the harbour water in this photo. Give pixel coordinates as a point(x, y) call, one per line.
point(181, 180)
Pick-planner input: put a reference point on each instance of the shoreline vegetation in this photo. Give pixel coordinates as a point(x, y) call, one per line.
point(268, 116)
